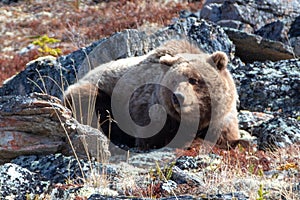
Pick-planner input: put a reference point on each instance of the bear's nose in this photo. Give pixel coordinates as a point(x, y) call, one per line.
point(177, 98)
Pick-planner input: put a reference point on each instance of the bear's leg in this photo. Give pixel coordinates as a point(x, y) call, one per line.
point(230, 136)
point(80, 98)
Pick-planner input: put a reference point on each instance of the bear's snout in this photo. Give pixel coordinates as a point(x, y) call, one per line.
point(177, 99)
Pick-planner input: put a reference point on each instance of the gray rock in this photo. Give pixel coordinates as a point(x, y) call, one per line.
point(189, 169)
point(271, 20)
point(211, 11)
point(295, 28)
point(270, 86)
point(234, 24)
point(169, 186)
point(294, 35)
point(149, 160)
point(183, 176)
point(229, 196)
point(8, 1)
point(200, 162)
point(88, 141)
point(252, 13)
point(270, 131)
point(58, 168)
point(186, 162)
point(42, 75)
point(39, 124)
point(19, 183)
point(250, 47)
point(207, 35)
point(279, 132)
point(128, 43)
point(295, 43)
point(248, 120)
point(274, 31)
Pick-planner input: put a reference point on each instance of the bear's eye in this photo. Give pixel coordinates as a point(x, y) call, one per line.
point(192, 81)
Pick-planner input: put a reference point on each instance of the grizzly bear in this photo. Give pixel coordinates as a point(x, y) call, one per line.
point(165, 97)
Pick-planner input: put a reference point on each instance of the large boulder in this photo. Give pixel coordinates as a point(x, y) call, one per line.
point(274, 31)
point(260, 27)
point(39, 124)
point(294, 35)
point(251, 47)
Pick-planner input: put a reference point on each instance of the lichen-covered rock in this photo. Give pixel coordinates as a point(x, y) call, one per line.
point(148, 160)
point(278, 132)
point(248, 120)
point(8, 1)
point(58, 168)
point(19, 183)
point(252, 13)
point(189, 169)
point(39, 124)
point(269, 20)
point(31, 124)
point(274, 31)
point(294, 35)
point(208, 36)
point(270, 86)
point(201, 162)
point(250, 47)
point(42, 75)
point(270, 131)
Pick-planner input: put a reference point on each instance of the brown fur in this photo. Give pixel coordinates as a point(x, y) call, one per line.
point(202, 82)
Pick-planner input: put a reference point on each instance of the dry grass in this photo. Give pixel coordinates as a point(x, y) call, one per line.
point(239, 170)
point(246, 169)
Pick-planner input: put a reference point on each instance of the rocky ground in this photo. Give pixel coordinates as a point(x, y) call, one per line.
point(260, 37)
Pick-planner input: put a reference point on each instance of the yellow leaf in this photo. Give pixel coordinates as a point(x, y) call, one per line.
point(287, 166)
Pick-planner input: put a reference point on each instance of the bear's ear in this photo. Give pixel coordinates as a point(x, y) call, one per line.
point(169, 60)
point(220, 59)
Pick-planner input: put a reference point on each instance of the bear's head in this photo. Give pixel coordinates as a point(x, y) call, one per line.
point(199, 86)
